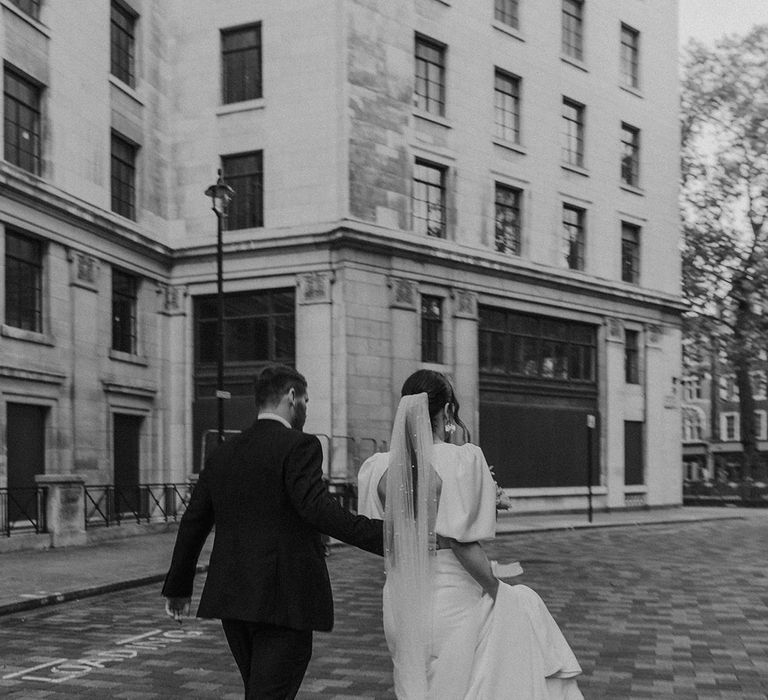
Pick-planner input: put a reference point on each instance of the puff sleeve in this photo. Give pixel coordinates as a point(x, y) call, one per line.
point(467, 507)
point(371, 471)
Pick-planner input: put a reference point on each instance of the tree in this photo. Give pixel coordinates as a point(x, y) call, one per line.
point(724, 207)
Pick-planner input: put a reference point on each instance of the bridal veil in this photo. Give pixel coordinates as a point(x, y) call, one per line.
point(409, 541)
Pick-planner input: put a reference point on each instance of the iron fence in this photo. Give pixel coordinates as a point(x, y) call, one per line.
point(741, 493)
point(107, 505)
point(23, 510)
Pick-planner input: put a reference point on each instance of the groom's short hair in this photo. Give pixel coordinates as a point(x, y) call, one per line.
point(274, 381)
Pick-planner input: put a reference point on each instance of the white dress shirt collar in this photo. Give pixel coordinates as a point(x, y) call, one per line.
point(274, 416)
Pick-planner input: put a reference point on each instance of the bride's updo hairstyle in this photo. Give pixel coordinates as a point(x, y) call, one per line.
point(439, 392)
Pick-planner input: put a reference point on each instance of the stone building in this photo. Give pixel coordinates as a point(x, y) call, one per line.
point(711, 424)
point(487, 188)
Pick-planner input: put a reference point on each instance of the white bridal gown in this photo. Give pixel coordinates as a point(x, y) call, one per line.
point(510, 650)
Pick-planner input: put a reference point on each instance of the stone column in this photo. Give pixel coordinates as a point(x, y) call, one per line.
point(314, 355)
point(174, 405)
point(65, 508)
point(404, 304)
point(88, 426)
point(663, 433)
point(612, 412)
point(466, 372)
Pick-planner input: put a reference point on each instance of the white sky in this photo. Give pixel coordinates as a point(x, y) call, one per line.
point(708, 20)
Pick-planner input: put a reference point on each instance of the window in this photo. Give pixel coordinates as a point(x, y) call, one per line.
point(123, 177)
point(760, 425)
point(729, 388)
point(244, 173)
point(431, 329)
point(23, 282)
point(759, 384)
point(573, 29)
point(573, 236)
point(31, 7)
point(508, 238)
point(729, 426)
point(573, 133)
point(630, 155)
point(536, 347)
point(631, 357)
point(505, 11)
point(124, 295)
point(123, 44)
point(258, 327)
point(693, 424)
point(630, 56)
point(506, 106)
point(429, 199)
point(241, 63)
point(630, 253)
point(21, 121)
point(691, 388)
point(430, 76)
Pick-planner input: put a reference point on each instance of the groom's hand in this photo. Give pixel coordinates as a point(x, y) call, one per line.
point(177, 608)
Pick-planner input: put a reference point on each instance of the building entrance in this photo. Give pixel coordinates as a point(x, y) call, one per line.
point(538, 385)
point(127, 462)
point(25, 443)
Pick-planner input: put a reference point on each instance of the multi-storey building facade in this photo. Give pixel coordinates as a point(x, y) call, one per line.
point(486, 188)
point(711, 422)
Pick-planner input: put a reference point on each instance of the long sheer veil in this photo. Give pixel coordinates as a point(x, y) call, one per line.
point(409, 542)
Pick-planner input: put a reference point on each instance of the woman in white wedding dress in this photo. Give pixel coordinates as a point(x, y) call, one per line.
point(453, 629)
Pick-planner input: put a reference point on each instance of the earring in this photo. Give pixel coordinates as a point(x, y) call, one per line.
point(450, 427)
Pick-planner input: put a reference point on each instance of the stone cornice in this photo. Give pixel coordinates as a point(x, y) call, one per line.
point(39, 194)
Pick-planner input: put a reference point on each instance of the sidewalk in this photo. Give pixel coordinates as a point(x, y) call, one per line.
point(32, 579)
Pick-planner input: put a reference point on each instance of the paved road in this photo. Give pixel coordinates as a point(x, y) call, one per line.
point(664, 611)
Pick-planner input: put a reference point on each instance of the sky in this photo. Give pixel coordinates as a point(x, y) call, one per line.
point(708, 20)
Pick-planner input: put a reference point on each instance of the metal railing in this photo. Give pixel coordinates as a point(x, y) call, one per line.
point(741, 493)
point(107, 505)
point(23, 510)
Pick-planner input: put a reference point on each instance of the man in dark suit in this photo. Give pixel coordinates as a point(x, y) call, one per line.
point(267, 579)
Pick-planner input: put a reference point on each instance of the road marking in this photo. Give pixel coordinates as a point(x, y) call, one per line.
point(65, 669)
point(139, 636)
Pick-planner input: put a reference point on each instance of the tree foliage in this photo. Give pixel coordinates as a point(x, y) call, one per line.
point(724, 207)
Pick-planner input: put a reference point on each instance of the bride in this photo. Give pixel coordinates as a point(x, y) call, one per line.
point(453, 629)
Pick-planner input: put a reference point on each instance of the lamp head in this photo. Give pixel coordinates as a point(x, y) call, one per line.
point(220, 194)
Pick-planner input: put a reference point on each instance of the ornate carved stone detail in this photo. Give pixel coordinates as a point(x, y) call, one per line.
point(315, 287)
point(615, 329)
point(465, 304)
point(84, 270)
point(654, 334)
point(404, 293)
point(172, 299)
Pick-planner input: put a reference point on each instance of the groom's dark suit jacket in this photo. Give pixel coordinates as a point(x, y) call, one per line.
point(264, 492)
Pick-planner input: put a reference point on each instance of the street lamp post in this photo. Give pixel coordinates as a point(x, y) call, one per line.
point(220, 195)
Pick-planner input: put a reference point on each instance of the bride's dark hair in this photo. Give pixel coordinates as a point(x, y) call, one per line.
point(439, 392)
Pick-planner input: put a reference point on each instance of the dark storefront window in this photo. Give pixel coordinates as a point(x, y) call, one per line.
point(536, 347)
point(258, 327)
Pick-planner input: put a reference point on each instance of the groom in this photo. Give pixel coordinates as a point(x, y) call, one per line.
point(267, 579)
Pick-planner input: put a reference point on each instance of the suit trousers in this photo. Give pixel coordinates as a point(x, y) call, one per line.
point(272, 660)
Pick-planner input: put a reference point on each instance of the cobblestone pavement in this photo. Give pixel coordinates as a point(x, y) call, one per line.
point(666, 611)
